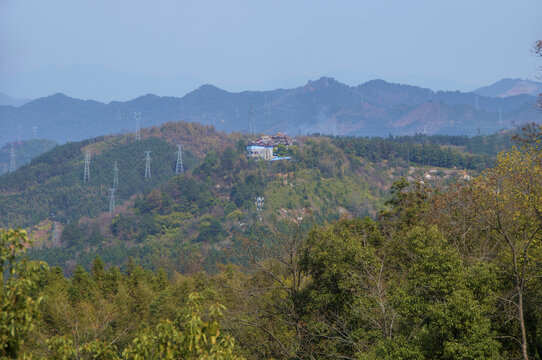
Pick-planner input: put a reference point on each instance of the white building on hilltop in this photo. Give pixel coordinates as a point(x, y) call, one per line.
point(263, 147)
point(264, 152)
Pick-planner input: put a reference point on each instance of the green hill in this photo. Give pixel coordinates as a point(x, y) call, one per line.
point(200, 219)
point(25, 151)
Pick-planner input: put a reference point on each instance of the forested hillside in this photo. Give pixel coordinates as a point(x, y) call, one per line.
point(24, 151)
point(197, 221)
point(365, 220)
point(440, 272)
point(52, 185)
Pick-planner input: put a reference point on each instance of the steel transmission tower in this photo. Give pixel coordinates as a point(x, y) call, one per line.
point(86, 176)
point(147, 164)
point(138, 125)
point(111, 199)
point(115, 175)
point(259, 205)
point(12, 166)
point(179, 169)
point(56, 234)
point(252, 126)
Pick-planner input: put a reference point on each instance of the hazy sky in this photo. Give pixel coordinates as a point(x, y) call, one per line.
point(242, 42)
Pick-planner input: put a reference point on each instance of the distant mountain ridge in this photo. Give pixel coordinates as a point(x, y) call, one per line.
point(375, 108)
point(102, 83)
point(8, 100)
point(511, 87)
point(24, 152)
point(90, 81)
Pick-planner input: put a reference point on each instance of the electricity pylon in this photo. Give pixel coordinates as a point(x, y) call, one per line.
point(111, 199)
point(115, 175)
point(179, 169)
point(147, 164)
point(86, 175)
point(12, 166)
point(138, 125)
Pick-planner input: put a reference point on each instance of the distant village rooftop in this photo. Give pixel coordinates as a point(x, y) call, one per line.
point(263, 147)
point(273, 140)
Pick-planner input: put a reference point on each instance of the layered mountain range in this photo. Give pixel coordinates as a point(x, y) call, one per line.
point(511, 87)
point(375, 108)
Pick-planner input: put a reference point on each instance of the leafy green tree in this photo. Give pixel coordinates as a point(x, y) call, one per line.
point(437, 309)
point(210, 163)
point(72, 235)
point(346, 302)
point(265, 314)
point(507, 202)
point(227, 159)
point(98, 270)
point(406, 205)
point(63, 348)
point(82, 286)
point(188, 338)
point(18, 296)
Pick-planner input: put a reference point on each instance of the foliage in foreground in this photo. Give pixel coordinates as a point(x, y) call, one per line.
point(452, 274)
point(188, 337)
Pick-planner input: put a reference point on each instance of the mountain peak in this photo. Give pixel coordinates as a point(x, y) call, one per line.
point(207, 90)
point(511, 87)
point(56, 97)
point(325, 81)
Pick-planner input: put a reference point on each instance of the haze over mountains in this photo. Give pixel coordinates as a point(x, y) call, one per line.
point(511, 87)
point(101, 83)
point(88, 81)
point(374, 108)
point(8, 100)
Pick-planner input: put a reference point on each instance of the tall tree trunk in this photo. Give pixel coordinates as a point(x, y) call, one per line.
point(522, 323)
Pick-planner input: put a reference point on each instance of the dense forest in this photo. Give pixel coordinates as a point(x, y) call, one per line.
point(180, 241)
point(448, 272)
point(23, 151)
point(198, 220)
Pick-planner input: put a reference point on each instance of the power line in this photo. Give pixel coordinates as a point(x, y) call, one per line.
point(147, 164)
point(259, 205)
point(179, 169)
point(115, 175)
point(86, 175)
point(12, 166)
point(56, 234)
point(112, 199)
point(138, 125)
